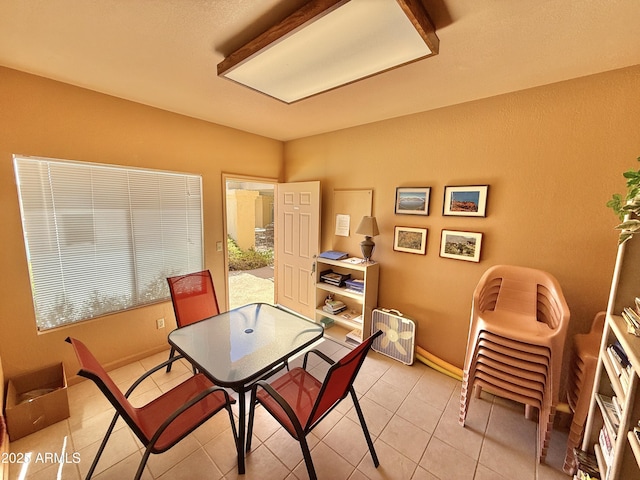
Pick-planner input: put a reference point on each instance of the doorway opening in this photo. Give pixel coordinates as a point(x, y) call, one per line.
point(250, 240)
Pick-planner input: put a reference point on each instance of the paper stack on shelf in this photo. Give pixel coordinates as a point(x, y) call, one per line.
point(355, 285)
point(334, 307)
point(333, 255)
point(632, 319)
point(351, 315)
point(333, 278)
point(354, 335)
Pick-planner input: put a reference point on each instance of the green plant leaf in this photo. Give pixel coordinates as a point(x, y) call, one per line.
point(629, 225)
point(624, 236)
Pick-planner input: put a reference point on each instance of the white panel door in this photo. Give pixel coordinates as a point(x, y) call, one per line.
point(297, 240)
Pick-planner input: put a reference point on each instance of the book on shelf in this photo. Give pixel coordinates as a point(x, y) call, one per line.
point(334, 306)
point(334, 255)
point(333, 278)
point(586, 464)
point(617, 406)
point(609, 415)
point(355, 285)
point(326, 322)
point(606, 446)
point(615, 360)
point(582, 475)
point(632, 319)
point(332, 310)
point(620, 363)
point(620, 354)
point(330, 302)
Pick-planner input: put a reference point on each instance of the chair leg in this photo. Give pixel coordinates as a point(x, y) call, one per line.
point(311, 470)
point(365, 430)
point(171, 354)
point(102, 445)
point(233, 423)
point(143, 462)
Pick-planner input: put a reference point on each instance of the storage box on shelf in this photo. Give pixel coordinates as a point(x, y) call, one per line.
point(615, 404)
point(346, 294)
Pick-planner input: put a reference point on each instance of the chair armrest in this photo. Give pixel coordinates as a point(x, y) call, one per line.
point(150, 372)
point(282, 402)
point(186, 406)
point(320, 354)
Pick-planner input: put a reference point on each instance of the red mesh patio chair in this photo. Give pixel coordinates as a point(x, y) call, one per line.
point(194, 299)
point(299, 401)
point(163, 422)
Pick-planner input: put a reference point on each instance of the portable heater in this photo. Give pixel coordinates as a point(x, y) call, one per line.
point(398, 335)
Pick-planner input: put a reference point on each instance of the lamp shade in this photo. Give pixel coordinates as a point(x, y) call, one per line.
point(368, 227)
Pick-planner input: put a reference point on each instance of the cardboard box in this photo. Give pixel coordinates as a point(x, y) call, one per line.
point(36, 400)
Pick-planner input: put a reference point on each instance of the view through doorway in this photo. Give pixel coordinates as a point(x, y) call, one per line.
point(250, 240)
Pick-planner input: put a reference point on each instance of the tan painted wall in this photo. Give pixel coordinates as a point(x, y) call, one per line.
point(41, 117)
point(552, 157)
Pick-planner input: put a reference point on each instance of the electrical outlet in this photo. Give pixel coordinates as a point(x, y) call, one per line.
point(160, 323)
point(219, 246)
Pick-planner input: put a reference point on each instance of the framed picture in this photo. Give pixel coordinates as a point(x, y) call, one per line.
point(461, 245)
point(412, 200)
point(410, 240)
point(466, 201)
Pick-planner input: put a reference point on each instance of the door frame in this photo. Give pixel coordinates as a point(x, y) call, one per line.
point(225, 249)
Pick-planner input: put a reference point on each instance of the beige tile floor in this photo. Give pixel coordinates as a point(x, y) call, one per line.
point(412, 413)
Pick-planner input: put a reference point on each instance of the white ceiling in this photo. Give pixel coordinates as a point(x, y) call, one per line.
point(164, 53)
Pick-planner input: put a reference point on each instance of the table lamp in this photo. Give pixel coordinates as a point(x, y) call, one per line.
point(369, 228)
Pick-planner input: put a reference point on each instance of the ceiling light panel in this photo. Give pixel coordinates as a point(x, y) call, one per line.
point(357, 39)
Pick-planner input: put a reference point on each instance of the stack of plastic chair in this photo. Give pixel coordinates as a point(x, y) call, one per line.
point(519, 320)
point(583, 368)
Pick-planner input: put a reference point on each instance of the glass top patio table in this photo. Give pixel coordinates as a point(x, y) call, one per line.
point(239, 346)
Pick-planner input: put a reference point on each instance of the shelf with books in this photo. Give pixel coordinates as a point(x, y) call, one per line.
point(607, 449)
point(634, 441)
point(344, 291)
point(609, 415)
point(586, 466)
point(616, 383)
point(353, 283)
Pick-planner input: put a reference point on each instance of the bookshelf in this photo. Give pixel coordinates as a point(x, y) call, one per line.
point(359, 306)
point(616, 379)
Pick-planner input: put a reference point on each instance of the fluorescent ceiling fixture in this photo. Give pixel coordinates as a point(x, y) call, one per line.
point(330, 43)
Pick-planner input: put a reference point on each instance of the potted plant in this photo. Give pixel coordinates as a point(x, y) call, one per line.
point(628, 208)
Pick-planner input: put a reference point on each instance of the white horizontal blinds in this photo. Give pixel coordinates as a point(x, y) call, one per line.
point(101, 239)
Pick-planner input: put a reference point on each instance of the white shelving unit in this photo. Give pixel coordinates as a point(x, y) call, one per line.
point(625, 459)
point(359, 306)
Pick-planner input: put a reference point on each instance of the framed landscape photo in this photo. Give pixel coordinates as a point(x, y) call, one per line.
point(461, 245)
point(412, 200)
point(410, 240)
point(466, 201)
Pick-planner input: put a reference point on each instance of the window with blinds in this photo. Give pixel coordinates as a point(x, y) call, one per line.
point(101, 239)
